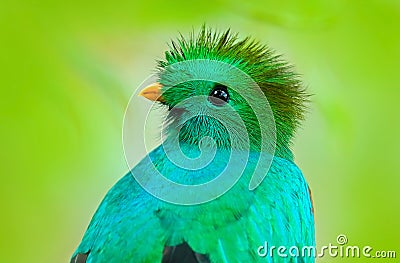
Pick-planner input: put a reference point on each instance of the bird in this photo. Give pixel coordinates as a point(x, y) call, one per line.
point(233, 192)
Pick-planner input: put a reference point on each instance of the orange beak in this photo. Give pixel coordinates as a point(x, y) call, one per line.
point(152, 92)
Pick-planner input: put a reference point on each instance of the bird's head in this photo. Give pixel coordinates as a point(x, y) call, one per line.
point(232, 91)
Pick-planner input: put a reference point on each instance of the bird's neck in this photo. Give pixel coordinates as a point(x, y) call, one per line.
point(195, 148)
point(283, 151)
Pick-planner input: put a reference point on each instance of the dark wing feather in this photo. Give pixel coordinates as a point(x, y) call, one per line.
point(183, 253)
point(80, 258)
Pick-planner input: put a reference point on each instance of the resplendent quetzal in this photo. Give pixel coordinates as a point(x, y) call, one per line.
point(229, 189)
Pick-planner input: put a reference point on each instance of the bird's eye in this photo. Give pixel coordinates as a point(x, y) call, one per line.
point(219, 95)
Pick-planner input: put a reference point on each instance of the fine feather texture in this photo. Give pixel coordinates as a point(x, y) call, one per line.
point(132, 225)
point(275, 77)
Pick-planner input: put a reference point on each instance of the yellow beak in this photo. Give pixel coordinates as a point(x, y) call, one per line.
point(152, 92)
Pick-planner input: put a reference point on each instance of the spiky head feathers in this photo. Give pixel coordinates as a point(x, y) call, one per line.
point(208, 66)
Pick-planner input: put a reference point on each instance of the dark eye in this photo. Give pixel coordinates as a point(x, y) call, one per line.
point(219, 95)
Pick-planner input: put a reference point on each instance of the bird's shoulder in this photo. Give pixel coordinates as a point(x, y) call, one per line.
point(119, 218)
point(282, 211)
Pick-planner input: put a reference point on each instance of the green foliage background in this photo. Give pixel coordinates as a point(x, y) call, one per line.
point(69, 68)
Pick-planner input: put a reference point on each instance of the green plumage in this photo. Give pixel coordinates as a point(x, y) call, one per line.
point(131, 225)
point(274, 76)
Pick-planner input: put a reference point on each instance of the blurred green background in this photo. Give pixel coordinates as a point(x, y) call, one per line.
point(68, 70)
